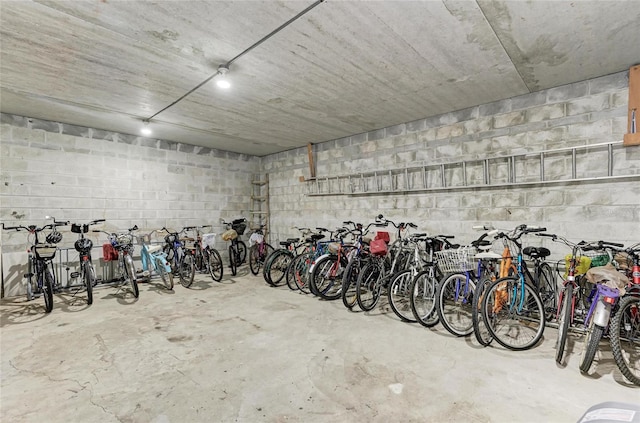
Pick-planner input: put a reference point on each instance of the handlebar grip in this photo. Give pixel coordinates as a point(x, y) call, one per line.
point(413, 225)
point(535, 229)
point(323, 229)
point(483, 227)
point(494, 232)
point(99, 220)
point(613, 244)
point(548, 235)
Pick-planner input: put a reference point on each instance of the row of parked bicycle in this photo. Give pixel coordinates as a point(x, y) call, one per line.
point(181, 253)
point(494, 288)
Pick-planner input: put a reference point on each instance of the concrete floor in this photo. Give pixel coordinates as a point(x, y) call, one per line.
point(243, 351)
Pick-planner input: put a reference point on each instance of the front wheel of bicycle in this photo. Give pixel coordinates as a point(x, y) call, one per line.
point(480, 330)
point(47, 290)
point(187, 271)
point(298, 272)
point(624, 336)
point(167, 277)
point(89, 279)
point(276, 265)
point(423, 297)
point(326, 279)
point(242, 252)
point(564, 321)
point(594, 335)
point(513, 313)
point(349, 282)
point(399, 293)
point(454, 301)
point(215, 265)
point(547, 288)
point(233, 255)
point(369, 286)
point(130, 269)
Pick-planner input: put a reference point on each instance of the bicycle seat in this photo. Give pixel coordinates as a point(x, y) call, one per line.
point(286, 243)
point(316, 237)
point(154, 248)
point(536, 252)
point(293, 240)
point(488, 255)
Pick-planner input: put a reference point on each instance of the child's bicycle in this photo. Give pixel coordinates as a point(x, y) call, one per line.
point(237, 249)
point(154, 259)
point(259, 250)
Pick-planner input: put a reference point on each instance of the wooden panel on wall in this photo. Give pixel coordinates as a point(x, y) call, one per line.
point(632, 137)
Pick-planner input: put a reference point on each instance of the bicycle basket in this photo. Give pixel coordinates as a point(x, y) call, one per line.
point(256, 238)
point(384, 236)
point(124, 239)
point(598, 257)
point(378, 247)
point(44, 251)
point(239, 228)
point(458, 260)
point(229, 235)
point(209, 240)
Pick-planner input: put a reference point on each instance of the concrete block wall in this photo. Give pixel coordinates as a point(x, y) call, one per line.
point(80, 174)
point(579, 114)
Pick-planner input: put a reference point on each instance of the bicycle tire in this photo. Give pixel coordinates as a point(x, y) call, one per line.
point(326, 279)
point(423, 298)
point(480, 330)
point(130, 269)
point(455, 308)
point(242, 251)
point(88, 279)
point(594, 335)
point(254, 259)
point(198, 256)
point(47, 290)
point(276, 267)
point(368, 286)
point(624, 337)
point(300, 271)
point(564, 320)
point(513, 329)
point(187, 269)
point(547, 288)
point(349, 282)
point(216, 269)
point(232, 259)
point(399, 294)
point(167, 277)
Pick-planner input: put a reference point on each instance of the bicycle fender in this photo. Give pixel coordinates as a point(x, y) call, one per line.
point(313, 265)
point(162, 261)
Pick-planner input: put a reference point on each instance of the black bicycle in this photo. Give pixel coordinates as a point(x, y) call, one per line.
point(83, 246)
point(237, 249)
point(40, 276)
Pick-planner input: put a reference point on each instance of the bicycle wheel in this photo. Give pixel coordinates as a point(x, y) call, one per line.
point(399, 293)
point(624, 336)
point(167, 277)
point(349, 282)
point(233, 254)
point(299, 271)
point(326, 278)
point(513, 313)
point(454, 301)
point(594, 335)
point(480, 330)
point(423, 298)
point(254, 259)
point(187, 269)
point(47, 289)
point(368, 286)
point(242, 251)
point(547, 288)
point(199, 260)
point(564, 320)
point(89, 277)
point(131, 275)
point(276, 267)
point(216, 269)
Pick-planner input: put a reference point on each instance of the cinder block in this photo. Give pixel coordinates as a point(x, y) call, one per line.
point(548, 112)
point(508, 119)
point(614, 81)
point(527, 101)
point(593, 103)
point(567, 92)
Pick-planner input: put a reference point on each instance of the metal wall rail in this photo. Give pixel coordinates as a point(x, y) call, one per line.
point(562, 165)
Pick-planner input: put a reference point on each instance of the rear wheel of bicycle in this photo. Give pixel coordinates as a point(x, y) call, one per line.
point(423, 298)
point(624, 336)
point(368, 286)
point(89, 278)
point(298, 272)
point(454, 301)
point(167, 277)
point(233, 256)
point(47, 290)
point(399, 293)
point(187, 269)
point(547, 288)
point(131, 275)
point(480, 330)
point(349, 282)
point(216, 269)
point(594, 335)
point(513, 313)
point(564, 321)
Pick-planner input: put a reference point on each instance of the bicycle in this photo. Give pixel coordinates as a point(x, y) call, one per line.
point(154, 259)
point(237, 249)
point(298, 273)
point(198, 255)
point(40, 276)
point(83, 246)
point(326, 272)
point(276, 264)
point(123, 244)
point(206, 257)
point(180, 258)
point(624, 330)
point(357, 258)
point(259, 250)
point(512, 308)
